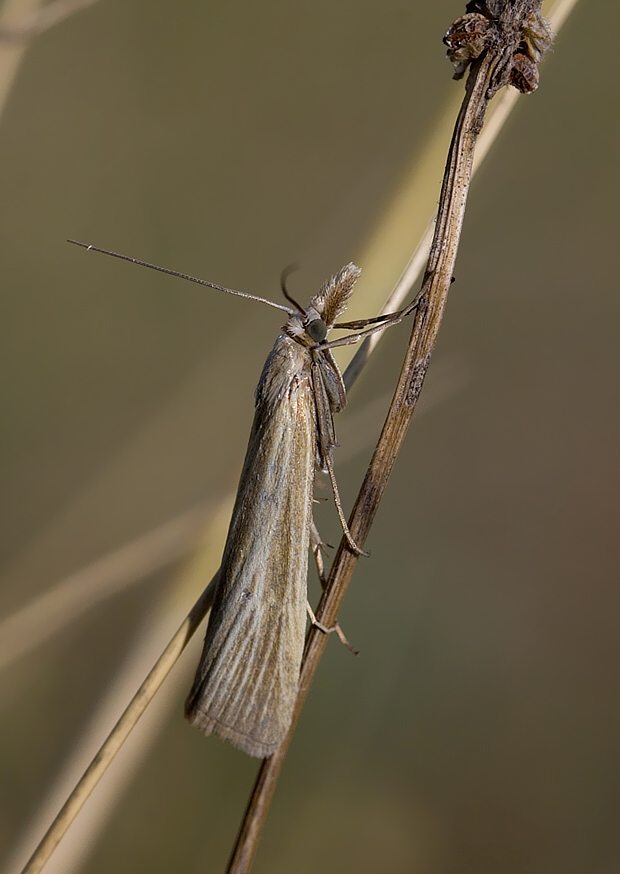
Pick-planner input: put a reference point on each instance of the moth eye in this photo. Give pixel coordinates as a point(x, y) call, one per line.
point(316, 330)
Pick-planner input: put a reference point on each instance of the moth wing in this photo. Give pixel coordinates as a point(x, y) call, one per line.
point(246, 684)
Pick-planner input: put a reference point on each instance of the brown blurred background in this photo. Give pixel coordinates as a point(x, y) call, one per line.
point(477, 732)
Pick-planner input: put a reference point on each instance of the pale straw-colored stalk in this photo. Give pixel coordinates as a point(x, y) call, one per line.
point(154, 635)
point(48, 614)
point(20, 21)
point(12, 15)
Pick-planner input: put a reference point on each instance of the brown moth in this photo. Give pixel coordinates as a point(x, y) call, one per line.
point(246, 682)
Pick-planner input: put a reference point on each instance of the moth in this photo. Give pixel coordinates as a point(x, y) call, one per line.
point(246, 683)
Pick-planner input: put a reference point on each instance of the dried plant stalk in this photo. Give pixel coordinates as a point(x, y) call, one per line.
point(120, 732)
point(507, 26)
point(49, 613)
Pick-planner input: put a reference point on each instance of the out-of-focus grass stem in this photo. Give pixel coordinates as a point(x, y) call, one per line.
point(47, 614)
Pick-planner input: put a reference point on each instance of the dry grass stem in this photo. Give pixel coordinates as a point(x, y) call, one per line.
point(489, 72)
point(78, 843)
point(45, 616)
point(121, 731)
point(146, 648)
point(12, 14)
point(20, 21)
point(559, 12)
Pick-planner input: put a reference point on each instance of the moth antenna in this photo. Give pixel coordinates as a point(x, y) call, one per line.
point(189, 278)
point(283, 277)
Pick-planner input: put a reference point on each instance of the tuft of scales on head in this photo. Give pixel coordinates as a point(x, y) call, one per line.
point(331, 301)
point(311, 325)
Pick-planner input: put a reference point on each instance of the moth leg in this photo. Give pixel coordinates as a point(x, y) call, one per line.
point(318, 547)
point(316, 544)
point(345, 528)
point(326, 630)
point(385, 321)
point(370, 326)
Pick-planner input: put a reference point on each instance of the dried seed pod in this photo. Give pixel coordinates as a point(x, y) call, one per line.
point(524, 74)
point(466, 40)
point(537, 36)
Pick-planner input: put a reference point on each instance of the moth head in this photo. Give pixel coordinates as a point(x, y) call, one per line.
point(307, 326)
point(311, 325)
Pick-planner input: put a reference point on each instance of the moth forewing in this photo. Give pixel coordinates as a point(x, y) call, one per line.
point(246, 683)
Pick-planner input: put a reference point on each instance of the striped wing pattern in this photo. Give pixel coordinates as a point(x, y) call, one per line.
point(246, 683)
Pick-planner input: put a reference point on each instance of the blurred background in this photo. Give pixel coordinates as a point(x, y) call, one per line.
point(478, 729)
